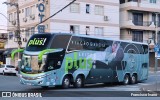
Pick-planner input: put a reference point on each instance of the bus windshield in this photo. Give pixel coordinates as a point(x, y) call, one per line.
point(39, 42)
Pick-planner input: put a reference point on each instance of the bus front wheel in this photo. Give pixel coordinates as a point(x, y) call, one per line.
point(79, 82)
point(66, 82)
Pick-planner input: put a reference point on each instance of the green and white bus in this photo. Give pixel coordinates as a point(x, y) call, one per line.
point(65, 59)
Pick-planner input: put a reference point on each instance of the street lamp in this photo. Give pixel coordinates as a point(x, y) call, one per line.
point(18, 25)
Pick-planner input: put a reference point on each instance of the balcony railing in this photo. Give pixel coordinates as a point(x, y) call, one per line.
point(142, 23)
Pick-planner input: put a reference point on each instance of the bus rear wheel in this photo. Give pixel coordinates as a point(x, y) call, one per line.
point(133, 79)
point(126, 79)
point(79, 82)
point(66, 82)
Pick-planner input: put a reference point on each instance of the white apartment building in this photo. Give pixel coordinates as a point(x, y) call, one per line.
point(88, 17)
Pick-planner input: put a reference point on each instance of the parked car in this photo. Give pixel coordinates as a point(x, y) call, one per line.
point(7, 69)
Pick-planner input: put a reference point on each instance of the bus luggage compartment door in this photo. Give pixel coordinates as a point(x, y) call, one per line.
point(99, 73)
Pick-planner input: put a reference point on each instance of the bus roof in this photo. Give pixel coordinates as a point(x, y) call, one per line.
point(97, 37)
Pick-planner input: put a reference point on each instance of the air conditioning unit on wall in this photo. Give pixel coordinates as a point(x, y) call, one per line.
point(14, 22)
point(25, 19)
point(106, 18)
point(32, 17)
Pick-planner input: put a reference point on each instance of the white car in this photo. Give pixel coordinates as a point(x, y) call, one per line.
point(7, 69)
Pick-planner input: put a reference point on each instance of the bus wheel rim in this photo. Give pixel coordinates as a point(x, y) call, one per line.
point(79, 81)
point(133, 79)
point(126, 80)
point(66, 82)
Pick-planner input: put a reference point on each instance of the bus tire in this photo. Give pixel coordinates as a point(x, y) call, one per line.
point(79, 82)
point(66, 82)
point(134, 79)
point(126, 79)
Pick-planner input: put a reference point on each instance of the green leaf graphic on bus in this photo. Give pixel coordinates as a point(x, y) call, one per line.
point(37, 41)
point(72, 63)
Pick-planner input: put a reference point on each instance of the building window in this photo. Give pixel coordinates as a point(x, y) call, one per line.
point(15, 16)
point(87, 8)
point(137, 36)
point(153, 1)
point(99, 10)
point(10, 35)
point(75, 8)
point(27, 33)
point(74, 29)
point(138, 19)
point(27, 12)
point(154, 19)
point(122, 1)
point(10, 17)
point(132, 0)
point(98, 30)
point(32, 30)
point(32, 10)
point(87, 30)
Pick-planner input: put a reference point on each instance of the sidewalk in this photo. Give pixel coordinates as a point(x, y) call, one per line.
point(154, 87)
point(152, 69)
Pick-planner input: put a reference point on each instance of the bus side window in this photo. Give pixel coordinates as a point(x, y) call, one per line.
point(132, 52)
point(60, 41)
point(75, 44)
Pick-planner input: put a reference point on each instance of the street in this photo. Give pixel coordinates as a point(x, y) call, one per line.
point(11, 83)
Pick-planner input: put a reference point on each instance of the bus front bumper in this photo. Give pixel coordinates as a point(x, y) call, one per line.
point(37, 82)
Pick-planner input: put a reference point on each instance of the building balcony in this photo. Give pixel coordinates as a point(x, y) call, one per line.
point(143, 6)
point(145, 25)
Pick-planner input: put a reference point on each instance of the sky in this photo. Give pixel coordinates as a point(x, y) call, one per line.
point(3, 10)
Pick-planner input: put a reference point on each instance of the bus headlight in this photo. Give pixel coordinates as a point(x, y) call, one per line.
point(40, 77)
point(43, 76)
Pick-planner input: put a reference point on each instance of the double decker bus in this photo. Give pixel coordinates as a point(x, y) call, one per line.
point(64, 59)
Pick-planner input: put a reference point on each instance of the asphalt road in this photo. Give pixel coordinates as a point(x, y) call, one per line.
point(11, 83)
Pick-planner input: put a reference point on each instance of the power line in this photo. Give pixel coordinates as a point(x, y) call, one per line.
point(56, 12)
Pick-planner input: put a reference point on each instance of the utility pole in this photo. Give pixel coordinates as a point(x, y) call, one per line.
point(156, 42)
point(157, 47)
point(18, 25)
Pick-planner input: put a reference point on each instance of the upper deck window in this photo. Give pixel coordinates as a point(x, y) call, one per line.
point(60, 41)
